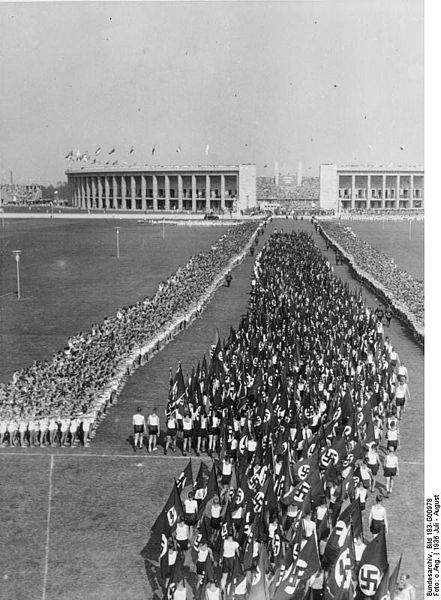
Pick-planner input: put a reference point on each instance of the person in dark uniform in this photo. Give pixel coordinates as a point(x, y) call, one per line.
point(228, 278)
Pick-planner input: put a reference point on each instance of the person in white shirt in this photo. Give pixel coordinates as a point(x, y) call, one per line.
point(138, 429)
point(153, 430)
point(390, 469)
point(359, 548)
point(212, 591)
point(3, 430)
point(85, 424)
point(43, 424)
point(230, 549)
point(53, 430)
point(64, 428)
point(309, 526)
point(22, 428)
point(74, 424)
point(182, 534)
point(378, 517)
point(12, 431)
point(361, 494)
point(180, 592)
point(187, 430)
point(190, 511)
point(172, 429)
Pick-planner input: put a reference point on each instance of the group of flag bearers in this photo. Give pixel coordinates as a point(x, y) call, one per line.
point(302, 393)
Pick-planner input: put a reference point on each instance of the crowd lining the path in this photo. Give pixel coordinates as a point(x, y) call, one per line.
point(60, 401)
point(300, 410)
point(404, 291)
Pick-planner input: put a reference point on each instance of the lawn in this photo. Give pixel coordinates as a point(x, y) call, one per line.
point(399, 240)
point(71, 278)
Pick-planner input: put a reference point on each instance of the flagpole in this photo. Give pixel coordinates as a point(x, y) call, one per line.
point(410, 230)
point(163, 228)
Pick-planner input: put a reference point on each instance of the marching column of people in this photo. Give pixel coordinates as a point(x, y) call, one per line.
point(294, 404)
point(59, 401)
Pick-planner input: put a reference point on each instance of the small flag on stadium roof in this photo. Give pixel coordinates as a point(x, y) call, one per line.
point(207, 148)
point(179, 149)
point(131, 150)
point(69, 156)
point(153, 150)
point(112, 151)
point(97, 151)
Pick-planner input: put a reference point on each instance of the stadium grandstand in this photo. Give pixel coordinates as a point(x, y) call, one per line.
point(16, 194)
point(288, 195)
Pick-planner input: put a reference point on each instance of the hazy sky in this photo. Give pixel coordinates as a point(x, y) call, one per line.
point(313, 81)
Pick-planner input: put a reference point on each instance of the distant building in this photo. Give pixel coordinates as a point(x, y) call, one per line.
point(372, 187)
point(163, 188)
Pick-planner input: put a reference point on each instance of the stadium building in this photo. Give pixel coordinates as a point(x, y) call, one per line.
point(162, 188)
point(372, 187)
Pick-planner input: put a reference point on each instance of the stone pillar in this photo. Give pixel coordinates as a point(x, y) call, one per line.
point(87, 193)
point(352, 191)
point(107, 191)
point(207, 193)
point(100, 192)
point(180, 194)
point(155, 193)
point(123, 192)
point(369, 192)
point(223, 192)
point(74, 191)
point(383, 191)
point(193, 193)
point(167, 192)
point(143, 193)
point(133, 191)
point(411, 191)
point(115, 192)
point(94, 194)
point(397, 193)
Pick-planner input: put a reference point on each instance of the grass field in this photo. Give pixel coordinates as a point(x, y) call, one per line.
point(71, 278)
point(94, 541)
point(404, 245)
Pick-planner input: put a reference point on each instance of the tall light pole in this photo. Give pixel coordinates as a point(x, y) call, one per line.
point(17, 254)
point(117, 241)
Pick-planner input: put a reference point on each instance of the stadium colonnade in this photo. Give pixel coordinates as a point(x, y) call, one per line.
point(355, 187)
point(164, 188)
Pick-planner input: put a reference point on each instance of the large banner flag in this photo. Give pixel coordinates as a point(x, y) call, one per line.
point(177, 391)
point(259, 586)
point(372, 565)
point(292, 586)
point(185, 479)
point(172, 510)
point(211, 491)
point(339, 583)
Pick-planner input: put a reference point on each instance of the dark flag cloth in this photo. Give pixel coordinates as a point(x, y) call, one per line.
point(259, 586)
point(382, 592)
point(185, 479)
point(235, 578)
point(293, 584)
point(372, 565)
point(339, 583)
point(335, 543)
point(177, 391)
point(172, 511)
point(394, 578)
point(280, 573)
point(163, 529)
point(212, 490)
point(351, 513)
point(176, 575)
